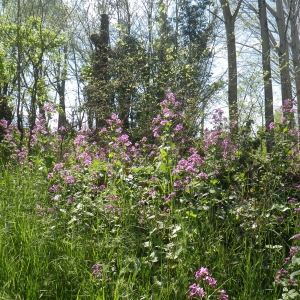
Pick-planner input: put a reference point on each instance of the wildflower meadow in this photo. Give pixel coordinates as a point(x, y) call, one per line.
point(95, 215)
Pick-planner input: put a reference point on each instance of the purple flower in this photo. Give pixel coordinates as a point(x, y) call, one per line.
point(54, 188)
point(222, 295)
point(62, 128)
point(71, 200)
point(3, 123)
point(293, 200)
point(279, 219)
point(167, 209)
point(123, 138)
point(151, 193)
point(297, 236)
point(155, 120)
point(287, 259)
point(203, 175)
point(167, 113)
point(114, 117)
point(211, 281)
point(201, 273)
point(69, 179)
point(49, 108)
point(50, 175)
point(163, 103)
point(196, 290)
point(271, 126)
point(97, 269)
point(152, 179)
point(109, 207)
point(293, 250)
point(178, 127)
point(80, 140)
point(280, 273)
point(8, 136)
point(58, 166)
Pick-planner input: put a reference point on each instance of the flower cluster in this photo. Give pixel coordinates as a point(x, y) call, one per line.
point(164, 121)
point(97, 270)
point(205, 277)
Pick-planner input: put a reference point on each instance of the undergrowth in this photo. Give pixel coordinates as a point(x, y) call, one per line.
point(90, 215)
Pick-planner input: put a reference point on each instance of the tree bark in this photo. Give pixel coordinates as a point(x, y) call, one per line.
point(283, 53)
point(229, 20)
point(61, 89)
point(98, 91)
point(295, 46)
point(269, 115)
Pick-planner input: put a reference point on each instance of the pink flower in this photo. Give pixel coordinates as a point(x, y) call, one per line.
point(222, 295)
point(178, 127)
point(201, 273)
point(196, 290)
point(163, 103)
point(49, 108)
point(114, 117)
point(69, 179)
point(53, 188)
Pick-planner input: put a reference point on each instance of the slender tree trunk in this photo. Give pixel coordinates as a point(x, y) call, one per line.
point(283, 53)
point(269, 115)
point(295, 46)
point(229, 20)
point(163, 36)
point(232, 72)
point(61, 87)
point(125, 92)
point(19, 100)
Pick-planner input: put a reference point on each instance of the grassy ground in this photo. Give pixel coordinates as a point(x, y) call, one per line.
point(145, 253)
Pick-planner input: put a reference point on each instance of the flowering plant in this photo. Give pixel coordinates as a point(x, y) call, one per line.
point(209, 286)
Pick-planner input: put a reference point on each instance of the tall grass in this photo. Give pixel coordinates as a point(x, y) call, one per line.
point(126, 221)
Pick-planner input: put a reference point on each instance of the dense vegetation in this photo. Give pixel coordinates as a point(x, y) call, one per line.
point(127, 195)
point(91, 215)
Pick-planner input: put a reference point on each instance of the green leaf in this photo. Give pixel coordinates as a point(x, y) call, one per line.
point(163, 152)
point(213, 181)
point(164, 167)
point(189, 214)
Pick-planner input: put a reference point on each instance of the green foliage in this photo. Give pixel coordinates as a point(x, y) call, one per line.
point(100, 217)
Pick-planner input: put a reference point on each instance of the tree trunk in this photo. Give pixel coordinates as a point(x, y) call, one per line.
point(295, 46)
point(61, 87)
point(98, 91)
point(283, 53)
point(19, 100)
point(229, 20)
point(269, 115)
